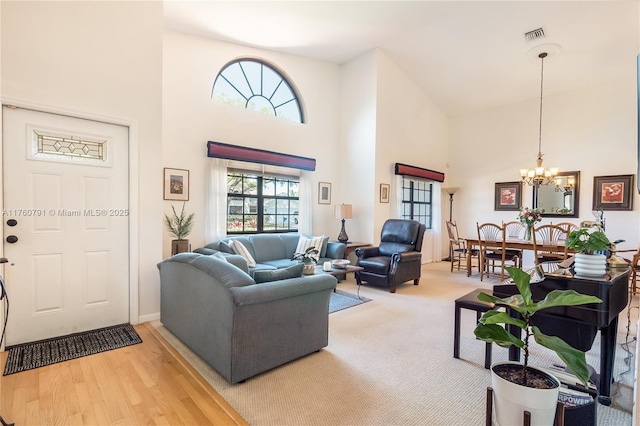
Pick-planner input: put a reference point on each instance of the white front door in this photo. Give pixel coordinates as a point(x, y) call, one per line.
point(65, 224)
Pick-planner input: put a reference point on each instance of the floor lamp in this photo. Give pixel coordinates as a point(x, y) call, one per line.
point(450, 191)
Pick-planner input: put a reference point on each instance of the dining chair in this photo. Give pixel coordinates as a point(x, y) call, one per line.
point(549, 246)
point(458, 250)
point(568, 226)
point(515, 230)
point(493, 252)
point(634, 268)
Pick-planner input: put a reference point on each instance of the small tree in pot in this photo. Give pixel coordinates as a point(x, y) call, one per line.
point(489, 330)
point(180, 226)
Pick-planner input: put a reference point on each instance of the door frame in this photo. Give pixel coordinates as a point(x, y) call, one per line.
point(132, 127)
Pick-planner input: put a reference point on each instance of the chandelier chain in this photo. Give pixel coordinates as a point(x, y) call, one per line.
point(542, 56)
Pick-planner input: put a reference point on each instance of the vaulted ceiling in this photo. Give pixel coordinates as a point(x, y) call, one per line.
point(465, 55)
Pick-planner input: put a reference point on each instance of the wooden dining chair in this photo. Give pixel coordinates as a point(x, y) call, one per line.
point(458, 250)
point(568, 226)
point(514, 230)
point(549, 246)
point(493, 252)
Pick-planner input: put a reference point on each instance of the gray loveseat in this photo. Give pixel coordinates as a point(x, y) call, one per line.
point(238, 327)
point(274, 251)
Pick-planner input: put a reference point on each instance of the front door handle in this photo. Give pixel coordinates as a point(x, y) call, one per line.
point(12, 239)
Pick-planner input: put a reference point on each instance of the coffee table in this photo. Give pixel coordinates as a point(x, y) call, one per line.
point(339, 273)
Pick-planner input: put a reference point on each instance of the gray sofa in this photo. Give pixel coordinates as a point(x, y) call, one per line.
point(273, 251)
point(239, 327)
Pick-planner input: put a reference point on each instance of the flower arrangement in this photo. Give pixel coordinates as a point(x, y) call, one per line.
point(528, 217)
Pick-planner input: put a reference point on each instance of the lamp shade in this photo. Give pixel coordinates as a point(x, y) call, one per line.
point(344, 211)
point(452, 190)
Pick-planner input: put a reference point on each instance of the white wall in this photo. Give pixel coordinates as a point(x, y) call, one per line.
point(410, 130)
point(358, 136)
point(191, 118)
point(593, 130)
point(98, 59)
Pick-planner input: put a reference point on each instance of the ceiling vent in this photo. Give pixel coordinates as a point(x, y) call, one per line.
point(534, 35)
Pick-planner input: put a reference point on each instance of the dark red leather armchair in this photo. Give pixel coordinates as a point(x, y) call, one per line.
point(397, 259)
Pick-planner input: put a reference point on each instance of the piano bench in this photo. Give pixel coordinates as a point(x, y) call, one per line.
point(470, 301)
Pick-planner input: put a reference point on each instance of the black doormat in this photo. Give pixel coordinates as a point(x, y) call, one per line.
point(51, 351)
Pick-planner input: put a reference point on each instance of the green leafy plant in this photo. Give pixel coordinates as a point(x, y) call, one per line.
point(308, 257)
point(489, 329)
point(179, 224)
point(584, 241)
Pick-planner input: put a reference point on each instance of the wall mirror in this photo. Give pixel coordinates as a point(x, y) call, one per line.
point(561, 199)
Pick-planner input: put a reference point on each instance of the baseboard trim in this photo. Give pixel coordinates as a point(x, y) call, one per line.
point(148, 318)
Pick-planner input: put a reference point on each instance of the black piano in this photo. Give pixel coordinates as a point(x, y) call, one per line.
point(578, 325)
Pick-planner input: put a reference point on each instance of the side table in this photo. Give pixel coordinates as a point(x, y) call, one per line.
point(352, 246)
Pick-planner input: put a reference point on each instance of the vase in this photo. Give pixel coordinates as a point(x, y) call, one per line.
point(590, 265)
point(527, 234)
point(309, 269)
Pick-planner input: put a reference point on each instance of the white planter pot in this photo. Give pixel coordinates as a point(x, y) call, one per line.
point(309, 269)
point(590, 265)
point(512, 400)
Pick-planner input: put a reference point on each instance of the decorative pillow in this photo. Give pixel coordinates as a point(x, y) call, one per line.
point(219, 255)
point(240, 249)
point(304, 243)
point(323, 250)
point(278, 274)
point(225, 247)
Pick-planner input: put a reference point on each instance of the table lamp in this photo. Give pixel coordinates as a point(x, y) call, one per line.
point(343, 211)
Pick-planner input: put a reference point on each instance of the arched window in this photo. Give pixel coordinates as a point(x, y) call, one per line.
point(255, 85)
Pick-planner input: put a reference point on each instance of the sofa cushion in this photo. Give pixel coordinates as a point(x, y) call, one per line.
point(225, 247)
point(325, 243)
point(280, 263)
point(219, 255)
point(278, 274)
point(240, 249)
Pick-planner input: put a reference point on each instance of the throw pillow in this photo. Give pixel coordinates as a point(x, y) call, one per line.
point(304, 243)
point(219, 255)
point(278, 274)
point(225, 247)
point(323, 250)
point(240, 249)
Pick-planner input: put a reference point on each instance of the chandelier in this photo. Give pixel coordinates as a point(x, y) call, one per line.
point(567, 188)
point(540, 175)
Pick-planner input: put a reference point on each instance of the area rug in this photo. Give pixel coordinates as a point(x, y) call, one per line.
point(46, 352)
point(342, 300)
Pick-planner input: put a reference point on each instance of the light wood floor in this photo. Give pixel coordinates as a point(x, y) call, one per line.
point(148, 384)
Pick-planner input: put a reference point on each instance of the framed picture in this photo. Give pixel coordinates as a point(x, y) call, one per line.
point(384, 192)
point(324, 193)
point(176, 184)
point(613, 192)
point(508, 196)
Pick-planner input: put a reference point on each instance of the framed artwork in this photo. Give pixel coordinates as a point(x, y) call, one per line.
point(508, 196)
point(176, 184)
point(613, 192)
point(324, 193)
point(384, 192)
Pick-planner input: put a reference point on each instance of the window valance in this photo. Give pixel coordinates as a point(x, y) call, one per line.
point(406, 170)
point(261, 156)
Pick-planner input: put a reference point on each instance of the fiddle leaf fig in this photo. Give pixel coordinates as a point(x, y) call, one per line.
point(489, 330)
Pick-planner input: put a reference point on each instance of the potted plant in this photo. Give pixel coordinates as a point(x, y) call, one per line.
point(180, 226)
point(309, 258)
point(518, 386)
point(589, 244)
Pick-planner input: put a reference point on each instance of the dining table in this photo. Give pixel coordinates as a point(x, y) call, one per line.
point(512, 243)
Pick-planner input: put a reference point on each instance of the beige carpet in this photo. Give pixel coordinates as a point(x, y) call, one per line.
point(389, 362)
